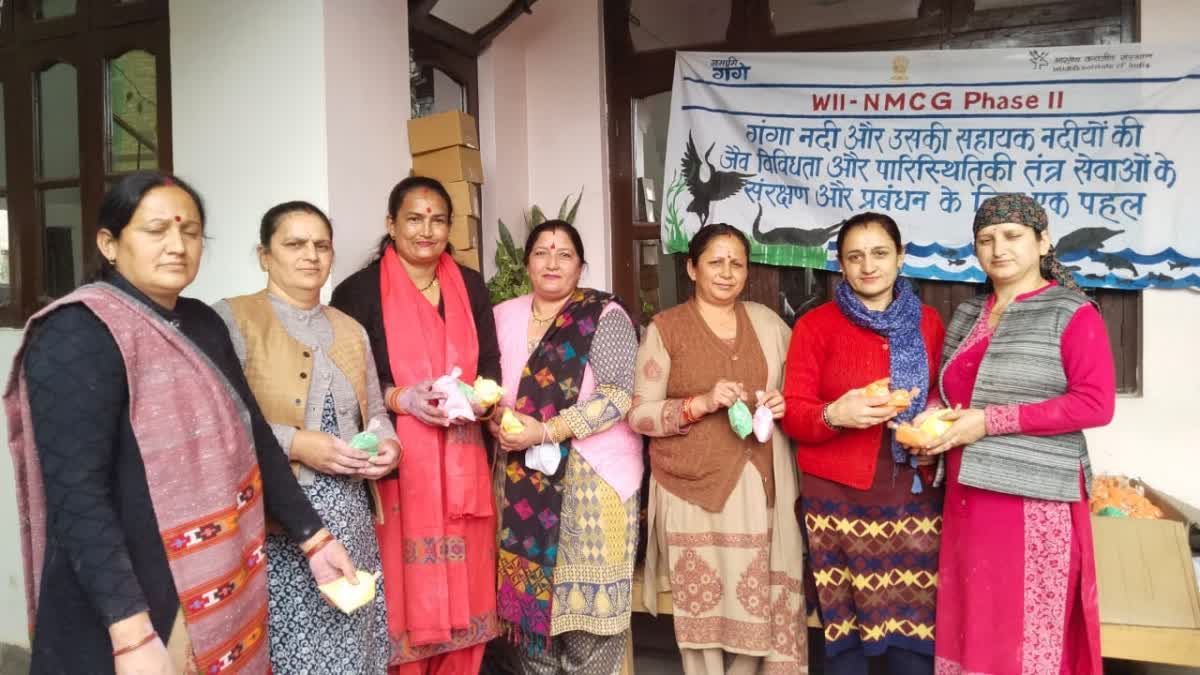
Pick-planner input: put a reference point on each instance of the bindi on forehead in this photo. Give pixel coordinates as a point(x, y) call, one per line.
point(178, 219)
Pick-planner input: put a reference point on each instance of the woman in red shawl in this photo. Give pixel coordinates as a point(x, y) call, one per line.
point(425, 315)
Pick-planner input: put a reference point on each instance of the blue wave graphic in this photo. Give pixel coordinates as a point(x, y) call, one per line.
point(974, 274)
point(934, 272)
point(941, 250)
point(1167, 255)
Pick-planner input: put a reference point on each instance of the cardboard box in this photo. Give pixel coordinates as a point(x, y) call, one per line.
point(465, 198)
point(442, 130)
point(1144, 568)
point(464, 231)
point(455, 163)
point(468, 257)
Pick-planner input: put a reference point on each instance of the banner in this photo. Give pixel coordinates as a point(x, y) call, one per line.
point(786, 146)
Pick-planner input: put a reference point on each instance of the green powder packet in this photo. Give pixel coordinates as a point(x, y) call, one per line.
point(740, 419)
point(365, 441)
point(467, 391)
point(1112, 512)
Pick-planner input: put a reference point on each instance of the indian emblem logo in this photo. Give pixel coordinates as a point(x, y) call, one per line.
point(900, 69)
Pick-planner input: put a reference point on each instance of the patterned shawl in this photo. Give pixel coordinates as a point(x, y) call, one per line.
point(213, 538)
point(532, 500)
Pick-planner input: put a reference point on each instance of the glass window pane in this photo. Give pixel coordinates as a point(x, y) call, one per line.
point(659, 24)
point(650, 118)
point(433, 91)
point(53, 9)
point(5, 269)
point(133, 106)
point(62, 241)
point(58, 122)
point(801, 16)
point(3, 146)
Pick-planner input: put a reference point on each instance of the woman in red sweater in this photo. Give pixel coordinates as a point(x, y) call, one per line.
point(870, 512)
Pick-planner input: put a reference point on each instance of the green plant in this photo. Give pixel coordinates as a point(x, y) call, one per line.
point(511, 280)
point(677, 239)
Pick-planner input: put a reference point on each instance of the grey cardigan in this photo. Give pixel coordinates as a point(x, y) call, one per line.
point(1023, 364)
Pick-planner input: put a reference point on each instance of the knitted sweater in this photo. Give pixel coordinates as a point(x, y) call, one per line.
point(829, 356)
point(680, 357)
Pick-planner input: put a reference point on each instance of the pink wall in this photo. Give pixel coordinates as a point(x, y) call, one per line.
point(542, 118)
point(367, 107)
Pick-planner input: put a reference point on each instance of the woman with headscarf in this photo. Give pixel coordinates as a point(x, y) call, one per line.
point(311, 370)
point(425, 315)
point(872, 519)
point(144, 466)
point(1029, 364)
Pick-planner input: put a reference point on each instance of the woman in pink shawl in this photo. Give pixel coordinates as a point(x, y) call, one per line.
point(565, 577)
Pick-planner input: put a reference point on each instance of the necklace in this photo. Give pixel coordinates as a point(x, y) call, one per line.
point(429, 285)
point(539, 320)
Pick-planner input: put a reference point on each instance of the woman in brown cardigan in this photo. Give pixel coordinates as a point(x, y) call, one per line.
point(723, 536)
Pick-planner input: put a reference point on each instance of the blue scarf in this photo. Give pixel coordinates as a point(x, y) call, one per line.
point(900, 323)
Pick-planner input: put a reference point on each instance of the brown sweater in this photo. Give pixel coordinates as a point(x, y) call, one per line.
point(702, 464)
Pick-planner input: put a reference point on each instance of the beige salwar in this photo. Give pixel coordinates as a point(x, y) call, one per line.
point(735, 575)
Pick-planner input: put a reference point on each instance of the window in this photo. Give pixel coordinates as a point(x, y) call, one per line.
point(83, 101)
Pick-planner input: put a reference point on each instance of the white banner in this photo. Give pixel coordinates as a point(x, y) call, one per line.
point(786, 146)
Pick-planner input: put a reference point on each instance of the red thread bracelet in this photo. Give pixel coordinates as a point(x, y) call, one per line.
point(140, 643)
point(321, 543)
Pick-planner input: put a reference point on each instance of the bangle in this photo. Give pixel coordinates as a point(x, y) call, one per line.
point(825, 418)
point(559, 430)
point(688, 418)
point(321, 543)
point(140, 643)
point(393, 400)
point(491, 412)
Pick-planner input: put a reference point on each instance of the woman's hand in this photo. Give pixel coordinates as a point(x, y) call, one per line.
point(724, 394)
point(328, 454)
point(421, 401)
point(330, 560)
point(531, 435)
point(774, 401)
point(383, 462)
point(150, 658)
point(969, 425)
point(856, 410)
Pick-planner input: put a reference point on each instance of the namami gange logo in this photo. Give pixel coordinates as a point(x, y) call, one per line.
point(1039, 59)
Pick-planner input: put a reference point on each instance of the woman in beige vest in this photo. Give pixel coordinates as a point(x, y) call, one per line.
point(311, 370)
point(723, 535)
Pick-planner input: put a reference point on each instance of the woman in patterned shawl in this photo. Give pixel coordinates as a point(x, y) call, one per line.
point(144, 465)
point(294, 349)
point(1030, 364)
point(568, 492)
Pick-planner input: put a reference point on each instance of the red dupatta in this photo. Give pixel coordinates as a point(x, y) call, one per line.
point(443, 476)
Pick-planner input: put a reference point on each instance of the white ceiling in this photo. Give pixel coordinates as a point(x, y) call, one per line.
point(469, 15)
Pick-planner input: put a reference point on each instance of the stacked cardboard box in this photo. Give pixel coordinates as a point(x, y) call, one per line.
point(445, 146)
